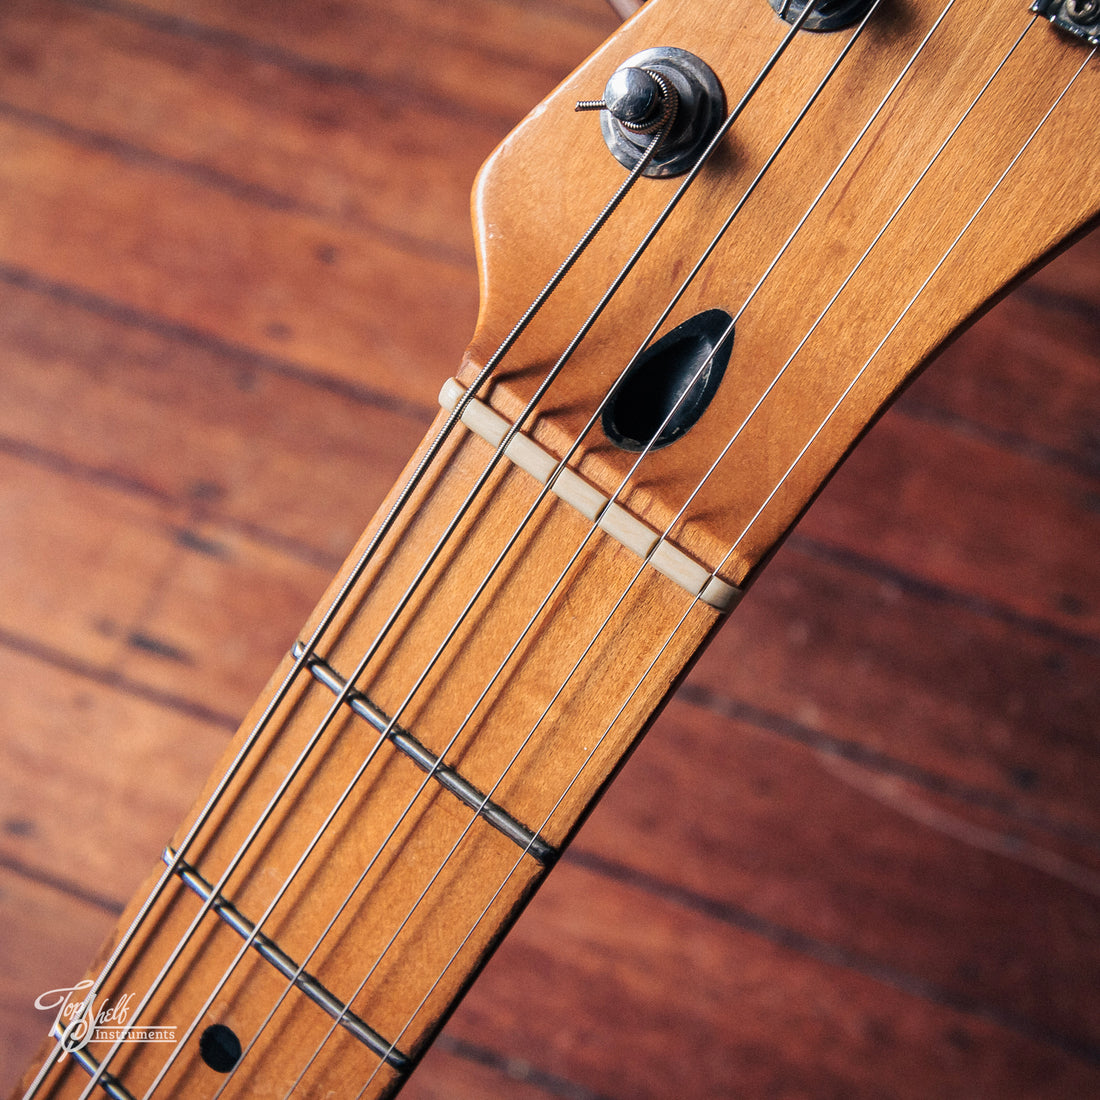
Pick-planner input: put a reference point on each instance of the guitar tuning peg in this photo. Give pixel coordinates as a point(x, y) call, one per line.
point(663, 88)
point(640, 100)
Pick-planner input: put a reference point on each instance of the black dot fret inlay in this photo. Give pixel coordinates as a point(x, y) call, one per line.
point(220, 1048)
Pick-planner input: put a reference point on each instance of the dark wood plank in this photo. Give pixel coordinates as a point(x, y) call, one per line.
point(158, 595)
point(30, 910)
point(734, 1016)
point(78, 808)
point(962, 511)
point(860, 858)
point(414, 47)
point(192, 423)
point(347, 151)
point(1074, 276)
point(1025, 375)
point(281, 282)
point(898, 881)
point(996, 712)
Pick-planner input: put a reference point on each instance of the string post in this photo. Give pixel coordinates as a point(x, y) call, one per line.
point(1083, 11)
point(666, 92)
point(640, 101)
point(1081, 18)
point(824, 15)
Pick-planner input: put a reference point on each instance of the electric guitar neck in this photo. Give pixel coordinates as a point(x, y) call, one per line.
point(698, 291)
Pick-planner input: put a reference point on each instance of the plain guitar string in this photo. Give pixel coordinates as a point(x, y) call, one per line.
point(347, 587)
point(371, 549)
point(771, 495)
point(687, 503)
point(740, 537)
point(475, 706)
point(662, 426)
point(660, 429)
point(441, 756)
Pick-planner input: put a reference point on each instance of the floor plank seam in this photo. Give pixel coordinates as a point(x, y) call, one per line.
point(1084, 465)
point(831, 954)
point(516, 1069)
point(245, 190)
point(61, 464)
point(62, 885)
point(323, 72)
point(1046, 298)
point(101, 306)
point(875, 760)
point(177, 704)
point(55, 462)
point(939, 593)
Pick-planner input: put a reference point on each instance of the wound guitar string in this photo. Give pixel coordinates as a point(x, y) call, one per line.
point(341, 597)
point(656, 435)
point(695, 600)
point(487, 797)
point(785, 476)
point(531, 623)
point(171, 871)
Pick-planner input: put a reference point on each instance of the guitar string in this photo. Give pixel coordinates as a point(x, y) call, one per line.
point(321, 831)
point(638, 574)
point(575, 557)
point(353, 781)
point(695, 600)
point(371, 549)
point(335, 709)
point(534, 619)
point(310, 648)
point(353, 577)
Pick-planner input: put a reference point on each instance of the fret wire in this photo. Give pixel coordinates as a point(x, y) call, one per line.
point(443, 645)
point(344, 592)
point(656, 434)
point(770, 497)
point(341, 697)
point(372, 547)
point(688, 502)
point(696, 599)
point(368, 553)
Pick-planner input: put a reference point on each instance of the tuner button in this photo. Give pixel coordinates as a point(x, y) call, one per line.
point(660, 89)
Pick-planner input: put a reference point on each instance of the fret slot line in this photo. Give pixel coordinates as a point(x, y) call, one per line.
point(451, 780)
point(286, 966)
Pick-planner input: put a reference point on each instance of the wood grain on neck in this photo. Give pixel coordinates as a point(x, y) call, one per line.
point(432, 883)
point(542, 771)
point(547, 171)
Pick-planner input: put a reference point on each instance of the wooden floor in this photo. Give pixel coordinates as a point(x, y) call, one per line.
point(859, 856)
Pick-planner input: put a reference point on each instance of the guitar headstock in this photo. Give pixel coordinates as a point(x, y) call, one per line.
point(887, 185)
